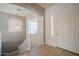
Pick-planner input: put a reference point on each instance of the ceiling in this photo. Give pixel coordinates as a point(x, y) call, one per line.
point(18, 10)
point(45, 5)
point(15, 10)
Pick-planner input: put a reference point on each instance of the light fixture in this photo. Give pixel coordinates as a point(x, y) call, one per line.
point(18, 12)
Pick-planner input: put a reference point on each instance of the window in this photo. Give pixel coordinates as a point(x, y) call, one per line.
point(14, 25)
point(32, 25)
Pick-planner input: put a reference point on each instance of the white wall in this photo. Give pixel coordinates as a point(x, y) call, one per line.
point(66, 26)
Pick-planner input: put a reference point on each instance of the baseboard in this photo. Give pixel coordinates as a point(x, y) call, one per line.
point(14, 53)
point(51, 45)
point(28, 49)
point(77, 54)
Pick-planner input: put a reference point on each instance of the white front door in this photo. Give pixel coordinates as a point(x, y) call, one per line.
point(35, 31)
